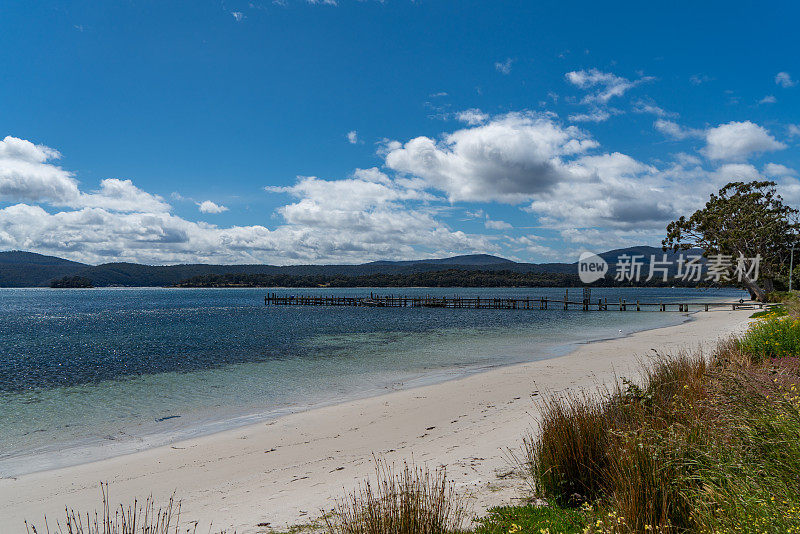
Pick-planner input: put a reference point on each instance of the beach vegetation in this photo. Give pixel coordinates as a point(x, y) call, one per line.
point(136, 518)
point(790, 302)
point(412, 500)
point(532, 519)
point(774, 335)
point(704, 444)
point(778, 310)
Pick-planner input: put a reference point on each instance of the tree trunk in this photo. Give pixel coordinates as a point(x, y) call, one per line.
point(769, 286)
point(756, 293)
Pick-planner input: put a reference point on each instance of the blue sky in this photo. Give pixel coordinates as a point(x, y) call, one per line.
point(320, 132)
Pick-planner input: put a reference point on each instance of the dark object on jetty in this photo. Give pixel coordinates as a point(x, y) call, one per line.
point(502, 303)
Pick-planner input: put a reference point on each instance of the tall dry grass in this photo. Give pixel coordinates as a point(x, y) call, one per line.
point(411, 501)
point(617, 446)
point(655, 436)
point(570, 454)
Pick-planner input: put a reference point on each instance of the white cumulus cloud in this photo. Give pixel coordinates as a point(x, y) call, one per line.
point(733, 141)
point(26, 175)
point(738, 140)
point(776, 169)
point(208, 206)
point(365, 217)
point(121, 195)
point(508, 159)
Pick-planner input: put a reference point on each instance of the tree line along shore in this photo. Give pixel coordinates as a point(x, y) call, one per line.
point(443, 278)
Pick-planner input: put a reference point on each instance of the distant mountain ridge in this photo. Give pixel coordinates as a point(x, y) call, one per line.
point(28, 269)
point(13, 257)
point(612, 256)
point(469, 259)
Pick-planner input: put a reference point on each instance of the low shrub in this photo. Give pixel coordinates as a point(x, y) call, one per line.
point(789, 301)
point(776, 311)
point(532, 519)
point(772, 336)
point(588, 448)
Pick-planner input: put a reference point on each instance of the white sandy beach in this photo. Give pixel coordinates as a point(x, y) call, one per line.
point(285, 471)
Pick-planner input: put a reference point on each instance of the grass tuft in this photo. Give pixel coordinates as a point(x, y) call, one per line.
point(571, 452)
point(137, 518)
point(412, 501)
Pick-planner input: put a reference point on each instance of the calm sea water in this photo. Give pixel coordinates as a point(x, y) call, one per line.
point(86, 374)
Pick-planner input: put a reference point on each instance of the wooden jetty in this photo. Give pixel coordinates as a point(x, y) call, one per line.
point(501, 303)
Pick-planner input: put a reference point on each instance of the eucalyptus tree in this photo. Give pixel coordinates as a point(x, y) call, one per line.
point(745, 221)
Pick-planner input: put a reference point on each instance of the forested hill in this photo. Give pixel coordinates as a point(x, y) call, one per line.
point(26, 269)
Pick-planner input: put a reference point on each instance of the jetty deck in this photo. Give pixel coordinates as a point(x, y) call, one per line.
point(500, 303)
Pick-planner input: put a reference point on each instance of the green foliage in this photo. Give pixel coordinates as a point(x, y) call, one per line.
point(753, 478)
point(790, 302)
point(532, 519)
point(778, 311)
point(784, 296)
point(444, 278)
point(774, 335)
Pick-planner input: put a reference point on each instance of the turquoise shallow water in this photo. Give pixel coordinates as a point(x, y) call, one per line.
point(86, 374)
